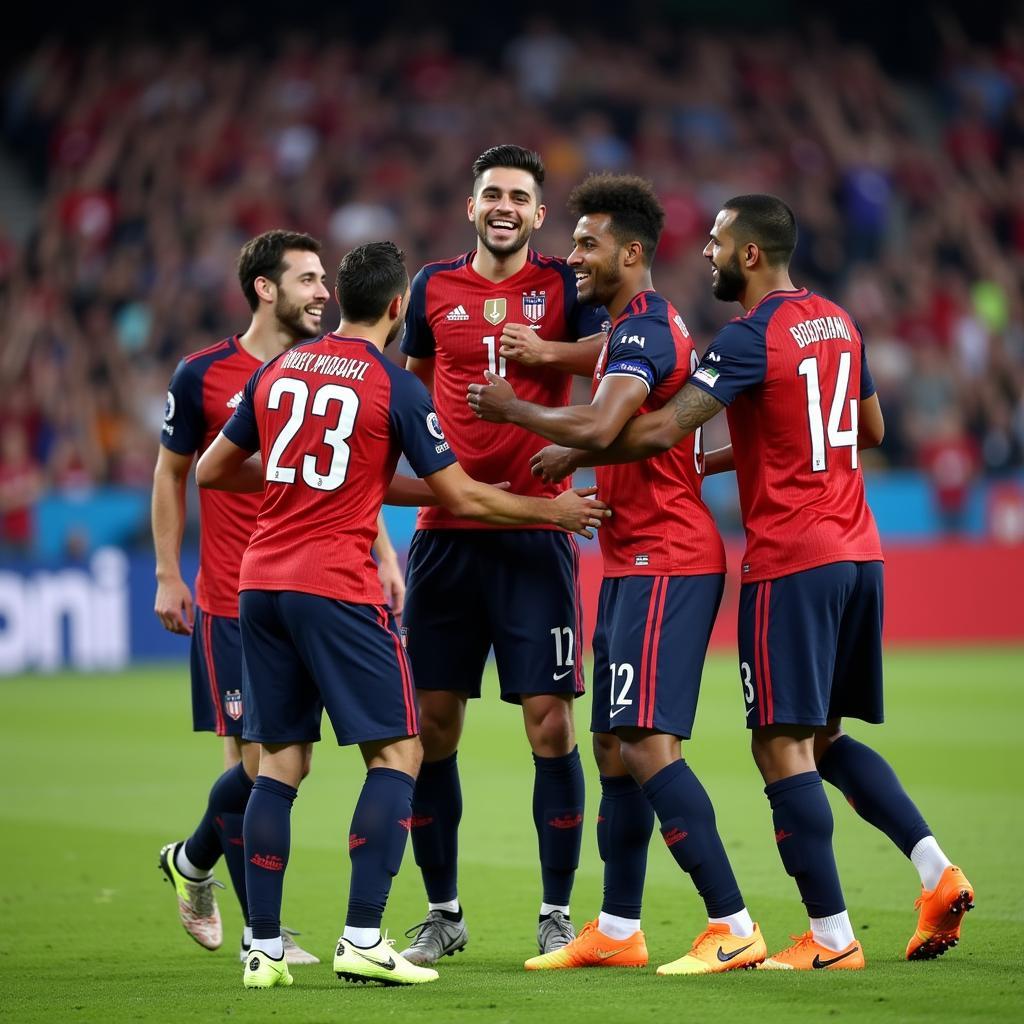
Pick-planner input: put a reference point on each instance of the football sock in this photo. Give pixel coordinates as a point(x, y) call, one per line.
point(450, 908)
point(187, 868)
point(364, 938)
point(625, 823)
point(247, 935)
point(274, 948)
point(229, 794)
point(234, 856)
point(833, 932)
point(930, 861)
point(558, 795)
point(739, 923)
point(872, 789)
point(689, 830)
point(803, 833)
point(618, 927)
point(266, 831)
point(547, 909)
point(376, 843)
point(436, 813)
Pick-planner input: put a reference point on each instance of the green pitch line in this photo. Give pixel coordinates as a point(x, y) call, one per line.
point(99, 771)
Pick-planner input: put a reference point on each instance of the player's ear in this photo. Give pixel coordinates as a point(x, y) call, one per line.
point(538, 217)
point(266, 290)
point(632, 254)
point(471, 208)
point(751, 255)
point(395, 307)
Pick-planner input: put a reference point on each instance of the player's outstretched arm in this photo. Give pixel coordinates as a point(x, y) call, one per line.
point(573, 510)
point(226, 467)
point(522, 344)
point(870, 423)
point(592, 427)
point(409, 491)
point(173, 602)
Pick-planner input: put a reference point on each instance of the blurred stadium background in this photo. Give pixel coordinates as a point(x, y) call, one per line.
point(140, 148)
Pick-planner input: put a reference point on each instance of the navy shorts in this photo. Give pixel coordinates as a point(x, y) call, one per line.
point(216, 657)
point(811, 646)
point(514, 590)
point(305, 654)
point(649, 646)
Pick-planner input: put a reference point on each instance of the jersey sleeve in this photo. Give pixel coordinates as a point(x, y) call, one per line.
point(418, 340)
point(242, 429)
point(735, 361)
point(184, 422)
point(867, 382)
point(643, 349)
point(417, 427)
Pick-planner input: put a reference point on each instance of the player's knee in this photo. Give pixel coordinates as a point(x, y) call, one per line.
point(549, 728)
point(825, 737)
point(608, 755)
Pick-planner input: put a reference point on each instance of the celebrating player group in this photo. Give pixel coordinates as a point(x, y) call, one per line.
point(298, 435)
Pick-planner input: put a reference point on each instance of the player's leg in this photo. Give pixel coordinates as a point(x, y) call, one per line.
point(216, 665)
point(282, 713)
point(447, 643)
point(536, 573)
point(868, 781)
point(788, 630)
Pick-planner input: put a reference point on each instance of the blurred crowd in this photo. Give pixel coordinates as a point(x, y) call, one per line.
point(153, 162)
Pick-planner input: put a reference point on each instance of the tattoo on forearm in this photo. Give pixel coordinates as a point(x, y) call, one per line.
point(694, 407)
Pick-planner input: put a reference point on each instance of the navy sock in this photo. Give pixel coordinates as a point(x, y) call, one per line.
point(267, 833)
point(380, 827)
point(234, 856)
point(803, 832)
point(229, 794)
point(558, 797)
point(872, 789)
point(689, 830)
point(625, 822)
point(436, 813)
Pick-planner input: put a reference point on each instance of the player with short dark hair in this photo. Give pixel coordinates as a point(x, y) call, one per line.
point(793, 375)
point(506, 308)
point(664, 571)
point(283, 280)
point(330, 418)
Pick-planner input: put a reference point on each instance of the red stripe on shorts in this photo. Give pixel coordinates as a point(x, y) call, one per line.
point(769, 713)
point(578, 644)
point(211, 675)
point(652, 668)
point(408, 696)
point(758, 671)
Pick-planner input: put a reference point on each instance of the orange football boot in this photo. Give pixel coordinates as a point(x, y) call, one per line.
point(716, 949)
point(807, 955)
point(592, 948)
point(942, 913)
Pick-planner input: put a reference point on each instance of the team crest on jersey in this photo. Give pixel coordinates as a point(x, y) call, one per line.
point(233, 704)
point(235, 400)
point(495, 310)
point(403, 632)
point(169, 408)
point(535, 305)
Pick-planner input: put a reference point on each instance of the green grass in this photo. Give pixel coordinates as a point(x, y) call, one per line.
point(100, 771)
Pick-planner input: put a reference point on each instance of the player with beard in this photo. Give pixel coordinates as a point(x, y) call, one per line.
point(330, 419)
point(506, 308)
point(283, 281)
point(664, 570)
point(793, 375)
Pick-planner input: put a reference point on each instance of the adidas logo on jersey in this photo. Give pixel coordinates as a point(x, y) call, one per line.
point(234, 401)
point(458, 313)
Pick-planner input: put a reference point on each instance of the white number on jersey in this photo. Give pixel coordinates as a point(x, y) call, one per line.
point(335, 437)
point(495, 363)
point(837, 438)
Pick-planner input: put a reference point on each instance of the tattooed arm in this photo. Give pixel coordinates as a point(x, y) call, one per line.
point(642, 437)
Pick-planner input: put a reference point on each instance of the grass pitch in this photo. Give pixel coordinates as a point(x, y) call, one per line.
point(100, 771)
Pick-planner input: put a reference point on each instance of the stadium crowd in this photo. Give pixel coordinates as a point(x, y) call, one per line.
point(154, 162)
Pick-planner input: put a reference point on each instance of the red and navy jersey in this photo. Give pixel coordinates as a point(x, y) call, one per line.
point(660, 527)
point(203, 393)
point(456, 317)
point(330, 417)
point(792, 372)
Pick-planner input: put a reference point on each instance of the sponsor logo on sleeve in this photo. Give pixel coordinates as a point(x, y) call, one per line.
point(434, 428)
point(169, 408)
point(706, 375)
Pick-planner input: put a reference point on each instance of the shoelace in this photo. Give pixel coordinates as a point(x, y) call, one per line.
point(705, 936)
point(562, 925)
point(201, 894)
point(417, 929)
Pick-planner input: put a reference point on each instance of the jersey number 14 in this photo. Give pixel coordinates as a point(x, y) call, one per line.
point(836, 436)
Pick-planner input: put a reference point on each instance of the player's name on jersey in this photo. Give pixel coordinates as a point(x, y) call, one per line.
point(326, 365)
point(822, 328)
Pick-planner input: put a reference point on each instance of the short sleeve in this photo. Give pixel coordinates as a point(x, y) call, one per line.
point(867, 382)
point(241, 429)
point(417, 427)
point(585, 321)
point(735, 361)
point(418, 340)
point(643, 349)
point(184, 427)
